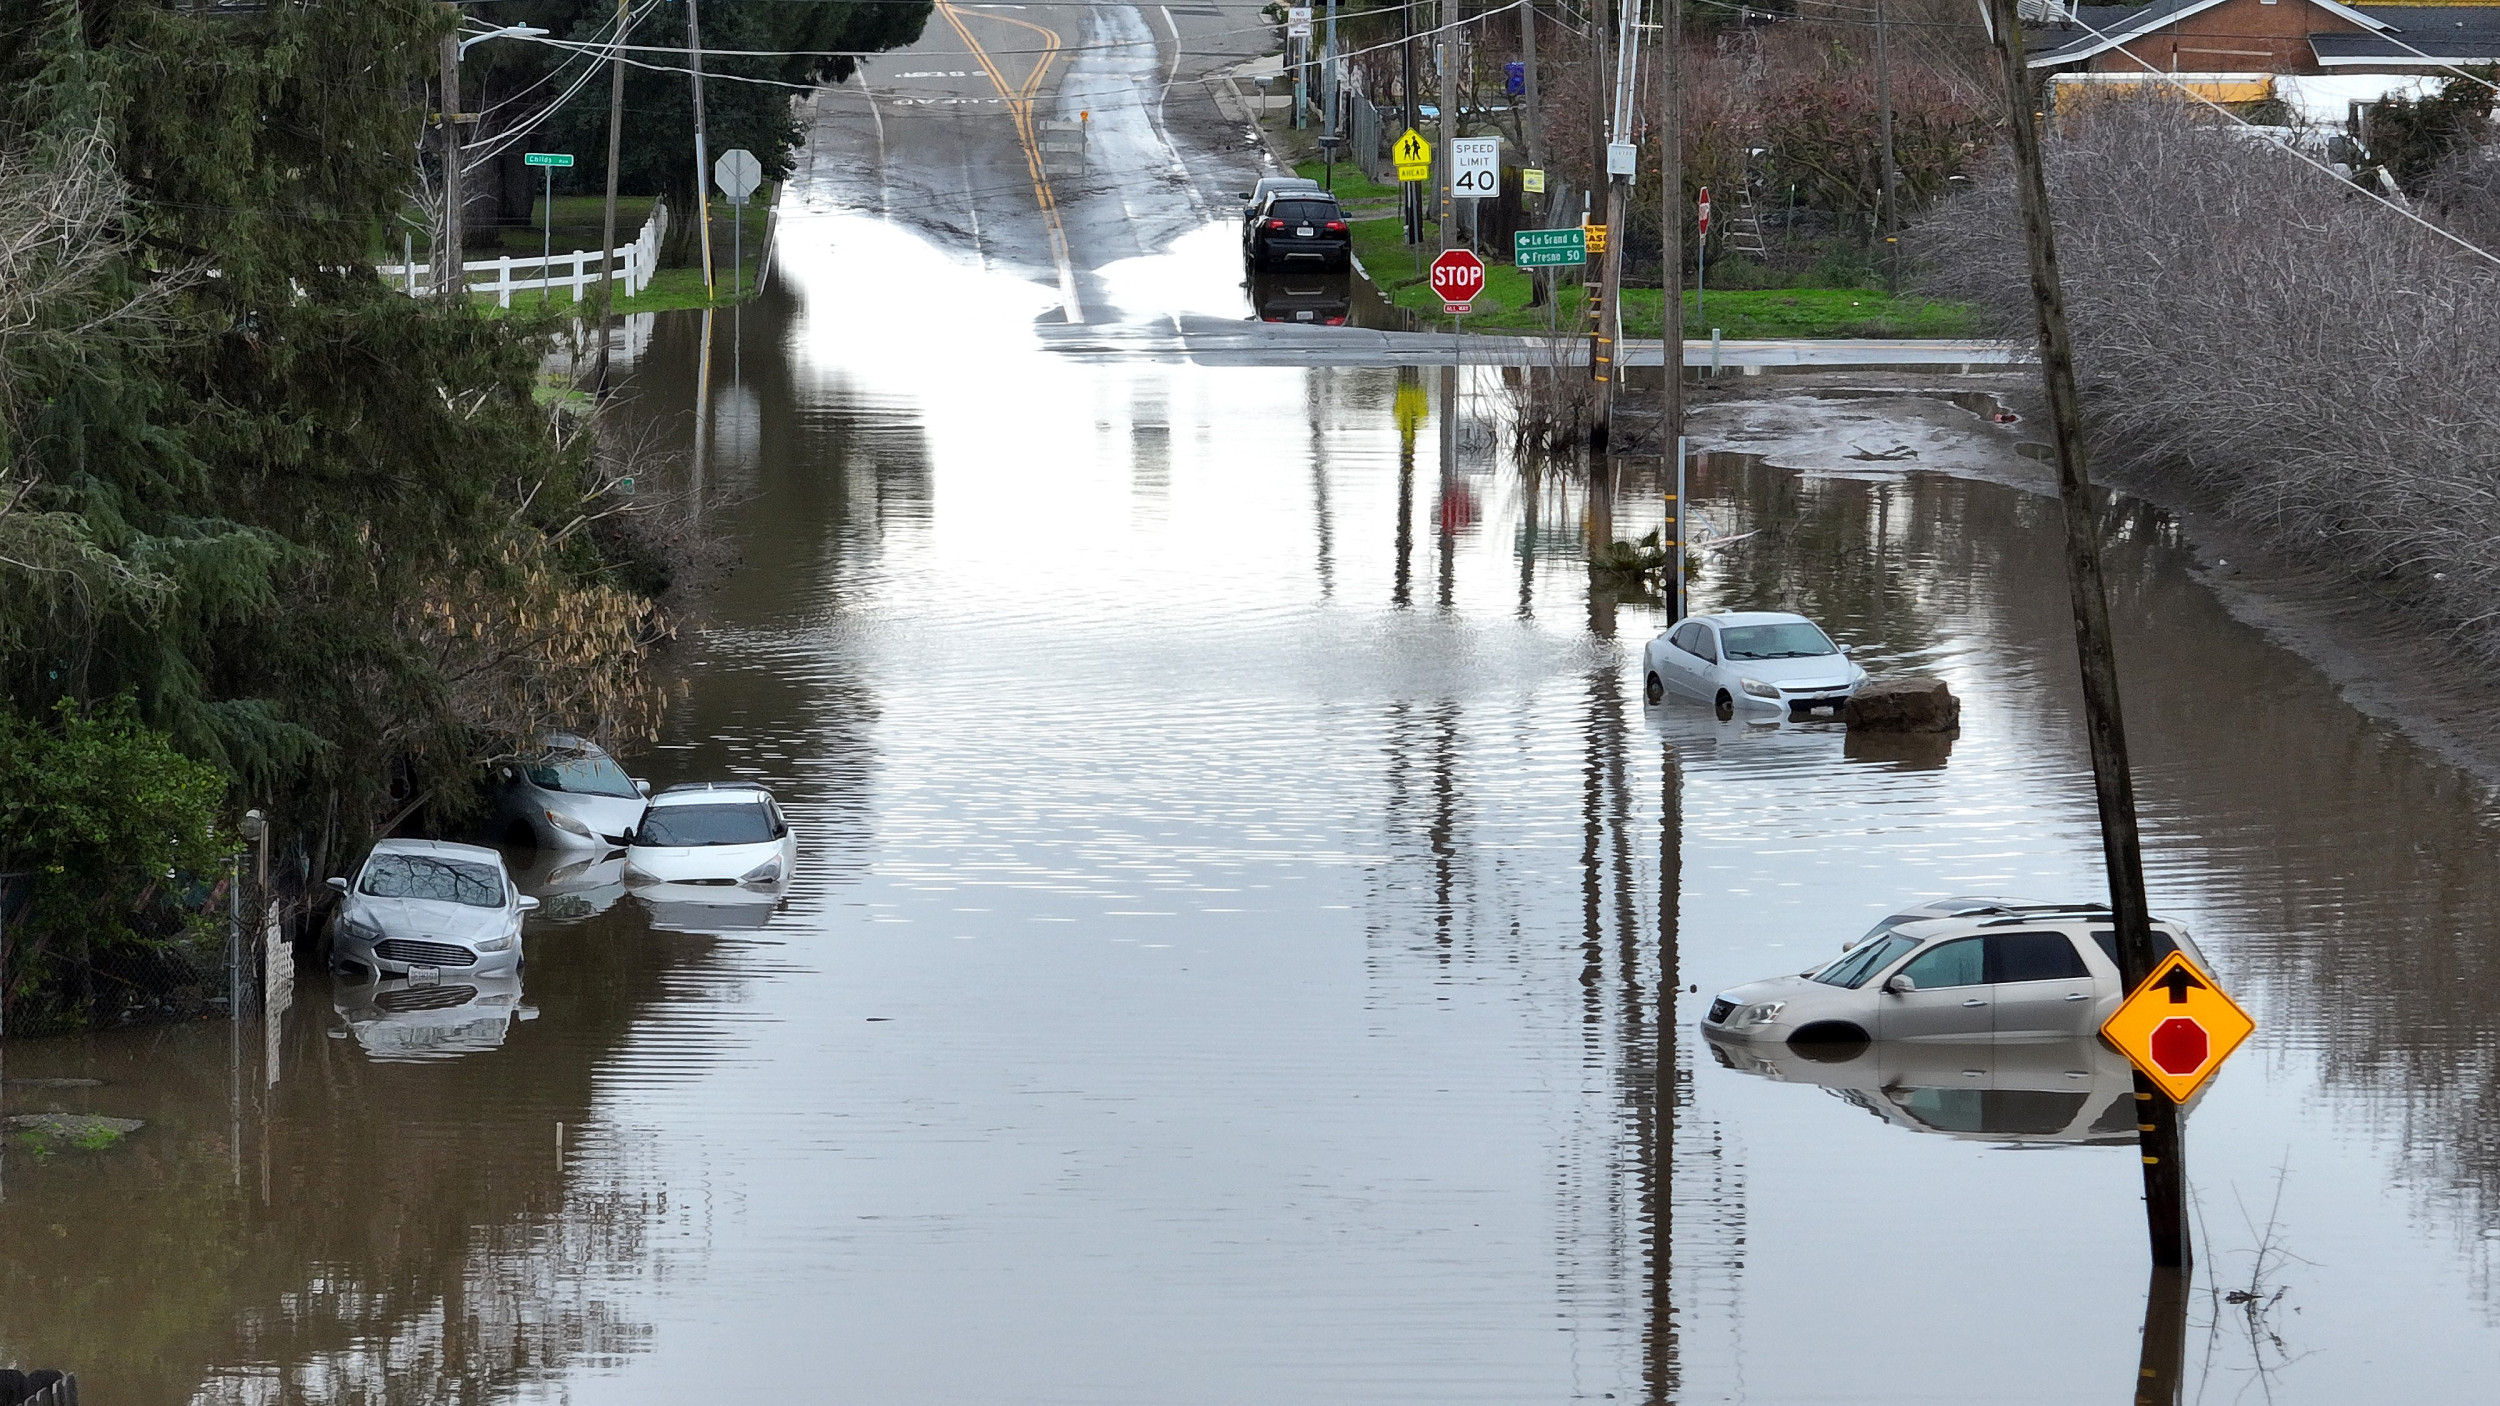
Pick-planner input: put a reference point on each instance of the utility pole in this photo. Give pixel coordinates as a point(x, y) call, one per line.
point(1541, 282)
point(450, 279)
point(1448, 95)
point(1528, 131)
point(1618, 187)
point(2122, 850)
point(607, 237)
point(1410, 193)
point(1671, 281)
point(1883, 99)
point(702, 155)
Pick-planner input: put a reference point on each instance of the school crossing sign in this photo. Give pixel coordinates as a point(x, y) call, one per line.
point(2178, 1028)
point(1413, 156)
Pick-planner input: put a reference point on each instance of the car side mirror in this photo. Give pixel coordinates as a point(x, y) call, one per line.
point(339, 884)
point(1245, 196)
point(1844, 648)
point(528, 904)
point(642, 786)
point(1901, 984)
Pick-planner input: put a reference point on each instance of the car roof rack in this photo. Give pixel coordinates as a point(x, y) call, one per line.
point(2062, 910)
point(714, 786)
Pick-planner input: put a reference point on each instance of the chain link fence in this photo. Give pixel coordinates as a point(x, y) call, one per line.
point(190, 955)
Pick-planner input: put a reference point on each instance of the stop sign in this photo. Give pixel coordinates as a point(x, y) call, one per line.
point(1458, 276)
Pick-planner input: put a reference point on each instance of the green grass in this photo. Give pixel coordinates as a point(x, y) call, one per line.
point(1350, 183)
point(1765, 312)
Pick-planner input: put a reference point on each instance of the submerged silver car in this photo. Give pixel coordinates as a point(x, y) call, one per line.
point(571, 796)
point(1758, 660)
point(428, 909)
point(1957, 969)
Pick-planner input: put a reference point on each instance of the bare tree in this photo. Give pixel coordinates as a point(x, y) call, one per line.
point(2261, 334)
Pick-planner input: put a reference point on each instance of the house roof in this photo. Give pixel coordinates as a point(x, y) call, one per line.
point(2427, 36)
point(2099, 28)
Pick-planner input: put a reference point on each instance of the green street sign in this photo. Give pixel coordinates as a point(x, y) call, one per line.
point(1549, 248)
point(547, 158)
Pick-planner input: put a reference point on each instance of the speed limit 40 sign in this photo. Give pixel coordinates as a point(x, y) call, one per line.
point(1475, 167)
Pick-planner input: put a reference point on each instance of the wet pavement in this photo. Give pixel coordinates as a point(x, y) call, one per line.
point(1248, 935)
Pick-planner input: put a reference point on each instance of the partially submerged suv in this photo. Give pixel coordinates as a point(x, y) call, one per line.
point(1967, 969)
point(1297, 227)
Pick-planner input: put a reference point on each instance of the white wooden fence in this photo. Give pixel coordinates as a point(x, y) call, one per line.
point(636, 263)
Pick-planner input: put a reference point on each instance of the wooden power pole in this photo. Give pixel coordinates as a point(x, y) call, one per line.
point(2157, 1123)
point(702, 153)
point(607, 237)
point(1671, 286)
point(450, 280)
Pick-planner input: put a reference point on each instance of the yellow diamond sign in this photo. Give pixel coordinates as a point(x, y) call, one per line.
point(1413, 155)
point(2178, 1027)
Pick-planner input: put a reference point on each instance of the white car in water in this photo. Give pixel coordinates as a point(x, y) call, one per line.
point(1756, 659)
point(1958, 969)
point(428, 909)
point(713, 834)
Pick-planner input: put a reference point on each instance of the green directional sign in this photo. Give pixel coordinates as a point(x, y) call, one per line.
point(547, 158)
point(1549, 248)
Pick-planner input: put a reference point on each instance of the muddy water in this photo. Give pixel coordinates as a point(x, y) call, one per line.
point(1246, 946)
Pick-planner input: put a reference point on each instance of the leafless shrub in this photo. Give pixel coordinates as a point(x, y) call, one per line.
point(2299, 356)
point(1552, 401)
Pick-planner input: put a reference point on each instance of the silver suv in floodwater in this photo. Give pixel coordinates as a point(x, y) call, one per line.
point(1964, 969)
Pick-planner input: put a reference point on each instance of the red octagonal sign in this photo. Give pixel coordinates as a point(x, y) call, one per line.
point(2179, 1045)
point(1458, 276)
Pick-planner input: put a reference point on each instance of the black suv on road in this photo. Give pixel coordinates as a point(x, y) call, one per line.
point(1297, 227)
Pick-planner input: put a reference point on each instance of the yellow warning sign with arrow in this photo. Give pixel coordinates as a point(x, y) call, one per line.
point(2178, 1027)
point(1413, 155)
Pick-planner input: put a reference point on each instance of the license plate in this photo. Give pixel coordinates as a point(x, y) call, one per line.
point(1305, 232)
point(425, 976)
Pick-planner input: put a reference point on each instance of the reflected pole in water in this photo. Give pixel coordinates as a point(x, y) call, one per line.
point(1410, 407)
point(2164, 1361)
point(1531, 492)
point(2157, 1123)
point(1319, 493)
point(1660, 1363)
point(702, 417)
point(1447, 531)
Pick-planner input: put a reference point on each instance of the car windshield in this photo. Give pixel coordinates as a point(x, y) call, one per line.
point(1312, 211)
point(1853, 970)
point(1797, 640)
point(583, 774)
point(742, 823)
point(440, 880)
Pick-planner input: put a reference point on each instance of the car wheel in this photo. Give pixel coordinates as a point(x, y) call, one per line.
point(1725, 707)
point(1654, 689)
point(1829, 1042)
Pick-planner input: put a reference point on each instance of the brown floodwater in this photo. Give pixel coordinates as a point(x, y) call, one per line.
point(1246, 943)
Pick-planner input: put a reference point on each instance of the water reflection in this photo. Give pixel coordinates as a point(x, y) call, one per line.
point(2076, 1092)
point(1318, 299)
point(396, 1018)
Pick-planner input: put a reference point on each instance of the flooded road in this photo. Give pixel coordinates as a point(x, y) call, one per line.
point(1248, 934)
point(1245, 946)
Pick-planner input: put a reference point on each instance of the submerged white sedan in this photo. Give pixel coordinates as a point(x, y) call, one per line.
point(1764, 660)
point(714, 834)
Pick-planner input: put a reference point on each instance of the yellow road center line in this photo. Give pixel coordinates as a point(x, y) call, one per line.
point(1018, 99)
